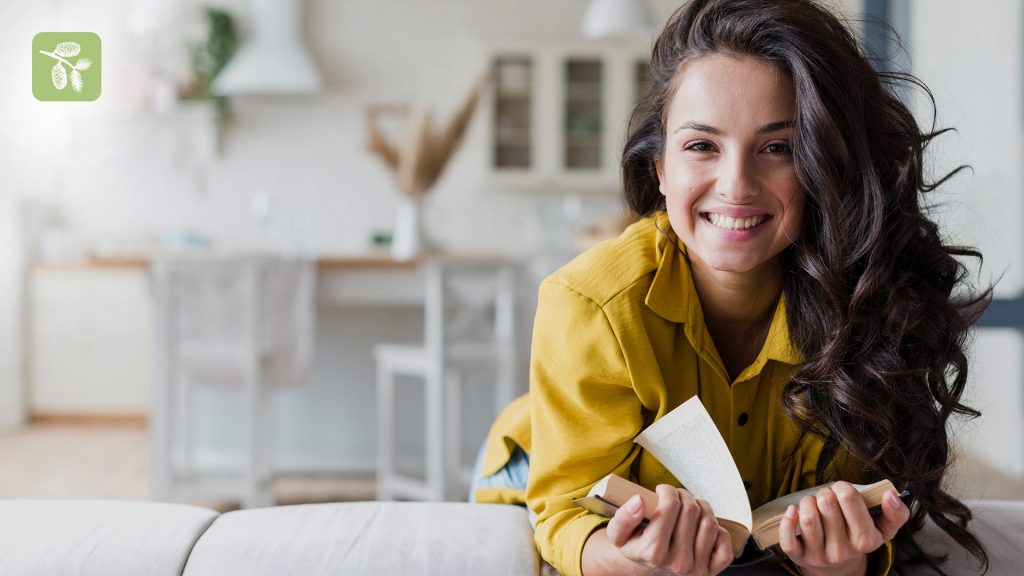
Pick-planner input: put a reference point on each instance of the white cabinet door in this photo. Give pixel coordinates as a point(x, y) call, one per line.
point(558, 116)
point(90, 340)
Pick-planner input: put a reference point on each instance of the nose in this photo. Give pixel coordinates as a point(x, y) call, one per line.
point(736, 183)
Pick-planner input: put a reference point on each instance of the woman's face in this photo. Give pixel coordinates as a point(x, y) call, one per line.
point(727, 172)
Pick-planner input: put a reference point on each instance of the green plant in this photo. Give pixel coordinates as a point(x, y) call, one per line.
point(210, 57)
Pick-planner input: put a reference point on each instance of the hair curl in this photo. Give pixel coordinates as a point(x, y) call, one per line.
point(877, 319)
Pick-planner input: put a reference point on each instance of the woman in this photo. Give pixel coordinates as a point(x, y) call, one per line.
point(785, 274)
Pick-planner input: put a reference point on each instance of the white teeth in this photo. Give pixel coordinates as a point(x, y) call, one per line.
point(730, 223)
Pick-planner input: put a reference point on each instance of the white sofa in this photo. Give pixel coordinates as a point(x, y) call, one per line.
point(126, 538)
point(129, 538)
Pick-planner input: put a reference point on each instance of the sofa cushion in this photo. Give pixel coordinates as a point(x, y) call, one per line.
point(368, 538)
point(97, 537)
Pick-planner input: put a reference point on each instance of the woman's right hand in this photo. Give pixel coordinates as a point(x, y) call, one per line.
point(682, 537)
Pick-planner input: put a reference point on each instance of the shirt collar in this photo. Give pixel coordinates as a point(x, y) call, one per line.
point(779, 345)
point(672, 294)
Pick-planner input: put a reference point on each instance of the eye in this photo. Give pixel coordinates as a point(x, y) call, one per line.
point(779, 148)
point(699, 146)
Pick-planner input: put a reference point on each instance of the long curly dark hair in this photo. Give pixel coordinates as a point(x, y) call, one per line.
point(881, 313)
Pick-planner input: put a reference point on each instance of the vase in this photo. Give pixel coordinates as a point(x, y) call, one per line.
point(407, 240)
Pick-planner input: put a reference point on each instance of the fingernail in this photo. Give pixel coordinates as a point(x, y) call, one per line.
point(895, 503)
point(791, 512)
point(634, 505)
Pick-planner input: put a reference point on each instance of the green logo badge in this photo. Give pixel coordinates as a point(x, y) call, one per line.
point(66, 66)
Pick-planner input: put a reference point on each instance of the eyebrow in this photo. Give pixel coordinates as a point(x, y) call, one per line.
point(771, 127)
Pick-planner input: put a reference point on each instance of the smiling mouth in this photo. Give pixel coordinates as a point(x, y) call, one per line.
point(730, 223)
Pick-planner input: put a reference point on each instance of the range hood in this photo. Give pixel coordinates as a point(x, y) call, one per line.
point(273, 60)
point(617, 19)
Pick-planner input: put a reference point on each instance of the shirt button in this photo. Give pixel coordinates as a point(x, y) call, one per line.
point(743, 418)
point(747, 485)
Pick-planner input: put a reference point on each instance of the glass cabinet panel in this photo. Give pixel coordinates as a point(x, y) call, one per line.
point(583, 113)
point(513, 79)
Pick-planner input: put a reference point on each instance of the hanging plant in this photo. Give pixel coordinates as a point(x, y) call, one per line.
point(209, 58)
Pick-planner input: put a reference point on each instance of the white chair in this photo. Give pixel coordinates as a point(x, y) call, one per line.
point(244, 321)
point(469, 320)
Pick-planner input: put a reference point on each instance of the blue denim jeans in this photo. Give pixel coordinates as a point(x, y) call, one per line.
point(512, 475)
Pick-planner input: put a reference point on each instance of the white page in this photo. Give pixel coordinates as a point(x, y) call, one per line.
point(687, 442)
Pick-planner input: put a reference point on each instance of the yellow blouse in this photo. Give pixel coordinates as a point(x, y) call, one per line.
point(619, 341)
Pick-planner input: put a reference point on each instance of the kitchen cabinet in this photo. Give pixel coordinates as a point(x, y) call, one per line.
point(558, 116)
point(90, 335)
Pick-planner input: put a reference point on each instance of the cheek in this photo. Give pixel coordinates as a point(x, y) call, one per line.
point(681, 188)
point(697, 181)
point(683, 201)
point(795, 215)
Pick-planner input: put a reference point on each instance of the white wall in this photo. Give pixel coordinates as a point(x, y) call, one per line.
point(12, 391)
point(995, 390)
point(126, 175)
point(971, 58)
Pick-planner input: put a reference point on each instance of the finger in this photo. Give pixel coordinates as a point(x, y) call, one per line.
point(863, 535)
point(811, 532)
point(894, 515)
point(833, 523)
point(625, 522)
point(686, 530)
point(788, 540)
point(722, 556)
point(653, 546)
point(707, 534)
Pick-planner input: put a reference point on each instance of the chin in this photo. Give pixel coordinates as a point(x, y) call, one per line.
point(730, 262)
point(737, 265)
point(732, 268)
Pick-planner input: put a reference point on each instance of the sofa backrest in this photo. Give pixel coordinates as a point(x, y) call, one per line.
point(368, 538)
point(108, 537)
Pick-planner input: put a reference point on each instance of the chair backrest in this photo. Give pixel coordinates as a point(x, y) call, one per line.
point(262, 304)
point(469, 301)
point(210, 300)
point(469, 312)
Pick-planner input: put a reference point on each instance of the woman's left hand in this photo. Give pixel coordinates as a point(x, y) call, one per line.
point(837, 532)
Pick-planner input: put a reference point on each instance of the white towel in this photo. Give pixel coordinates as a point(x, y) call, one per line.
point(288, 317)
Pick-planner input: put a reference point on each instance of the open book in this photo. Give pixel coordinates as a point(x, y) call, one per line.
point(689, 445)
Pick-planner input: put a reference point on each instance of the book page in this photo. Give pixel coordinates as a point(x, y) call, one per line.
point(689, 445)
